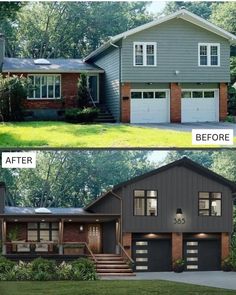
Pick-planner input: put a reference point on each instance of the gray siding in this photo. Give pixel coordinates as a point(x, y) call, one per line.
point(177, 187)
point(177, 49)
point(109, 61)
point(108, 205)
point(109, 237)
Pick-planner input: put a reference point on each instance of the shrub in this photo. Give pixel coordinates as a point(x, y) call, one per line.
point(43, 269)
point(5, 265)
point(83, 91)
point(83, 269)
point(64, 271)
point(85, 115)
point(227, 264)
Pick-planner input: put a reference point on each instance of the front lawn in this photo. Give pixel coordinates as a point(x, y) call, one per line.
point(61, 134)
point(106, 288)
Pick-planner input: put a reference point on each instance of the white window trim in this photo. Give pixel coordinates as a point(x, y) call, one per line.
point(45, 98)
point(145, 53)
point(98, 82)
point(150, 90)
point(209, 54)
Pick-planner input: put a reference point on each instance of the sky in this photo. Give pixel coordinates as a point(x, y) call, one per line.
point(156, 6)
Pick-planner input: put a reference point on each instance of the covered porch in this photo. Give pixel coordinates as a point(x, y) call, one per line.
point(56, 236)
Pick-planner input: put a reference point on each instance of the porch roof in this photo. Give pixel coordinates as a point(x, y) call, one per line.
point(57, 65)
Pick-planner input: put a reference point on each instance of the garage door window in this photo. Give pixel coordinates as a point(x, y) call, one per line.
point(142, 94)
point(198, 94)
point(145, 202)
point(210, 204)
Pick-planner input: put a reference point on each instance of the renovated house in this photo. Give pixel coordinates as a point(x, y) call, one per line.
point(173, 69)
point(181, 210)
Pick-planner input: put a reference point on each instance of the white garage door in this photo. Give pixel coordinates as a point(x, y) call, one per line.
point(200, 105)
point(150, 106)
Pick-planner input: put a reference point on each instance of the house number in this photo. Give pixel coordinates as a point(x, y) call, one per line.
point(179, 221)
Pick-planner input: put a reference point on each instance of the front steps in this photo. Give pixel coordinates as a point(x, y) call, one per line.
point(112, 265)
point(104, 115)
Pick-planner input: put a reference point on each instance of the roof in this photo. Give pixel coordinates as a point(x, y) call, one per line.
point(183, 14)
point(28, 65)
point(9, 210)
point(184, 162)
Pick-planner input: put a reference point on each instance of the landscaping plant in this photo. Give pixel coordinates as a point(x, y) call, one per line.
point(178, 265)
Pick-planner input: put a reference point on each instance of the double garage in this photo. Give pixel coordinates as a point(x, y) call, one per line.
point(155, 253)
point(153, 105)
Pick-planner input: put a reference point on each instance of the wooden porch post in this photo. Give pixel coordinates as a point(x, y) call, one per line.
point(61, 234)
point(4, 235)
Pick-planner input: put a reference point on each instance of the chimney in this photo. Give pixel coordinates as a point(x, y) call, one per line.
point(2, 50)
point(2, 197)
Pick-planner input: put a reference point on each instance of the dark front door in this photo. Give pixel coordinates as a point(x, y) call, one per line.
point(152, 255)
point(202, 255)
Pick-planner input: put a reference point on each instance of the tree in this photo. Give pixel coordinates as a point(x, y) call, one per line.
point(72, 29)
point(83, 91)
point(72, 178)
point(13, 89)
point(202, 9)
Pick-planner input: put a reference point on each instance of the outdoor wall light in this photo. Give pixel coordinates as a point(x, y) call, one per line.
point(179, 219)
point(70, 220)
point(15, 220)
point(177, 72)
point(81, 228)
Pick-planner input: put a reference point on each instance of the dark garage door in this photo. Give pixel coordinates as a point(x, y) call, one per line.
point(202, 254)
point(152, 255)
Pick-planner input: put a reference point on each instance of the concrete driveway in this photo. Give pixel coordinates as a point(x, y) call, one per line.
point(218, 279)
point(187, 127)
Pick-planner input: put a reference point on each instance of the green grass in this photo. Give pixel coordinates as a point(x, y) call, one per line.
point(106, 288)
point(61, 134)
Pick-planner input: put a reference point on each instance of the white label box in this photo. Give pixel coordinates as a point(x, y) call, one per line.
point(18, 159)
point(212, 136)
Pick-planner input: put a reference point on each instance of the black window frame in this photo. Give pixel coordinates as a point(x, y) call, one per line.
point(39, 229)
point(210, 199)
point(145, 198)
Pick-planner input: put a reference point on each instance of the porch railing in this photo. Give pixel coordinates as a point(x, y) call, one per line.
point(129, 259)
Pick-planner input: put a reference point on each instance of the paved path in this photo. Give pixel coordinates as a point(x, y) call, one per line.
point(187, 127)
point(218, 279)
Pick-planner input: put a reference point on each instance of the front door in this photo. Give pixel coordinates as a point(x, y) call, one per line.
point(94, 237)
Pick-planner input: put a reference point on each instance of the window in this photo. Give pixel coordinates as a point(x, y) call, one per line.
point(208, 54)
point(145, 202)
point(209, 204)
point(43, 231)
point(144, 53)
point(148, 94)
point(45, 87)
point(198, 94)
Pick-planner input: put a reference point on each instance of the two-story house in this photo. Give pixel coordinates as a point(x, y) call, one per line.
point(181, 210)
point(173, 69)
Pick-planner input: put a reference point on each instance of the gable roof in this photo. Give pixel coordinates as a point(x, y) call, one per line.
point(187, 163)
point(184, 162)
point(183, 14)
point(57, 65)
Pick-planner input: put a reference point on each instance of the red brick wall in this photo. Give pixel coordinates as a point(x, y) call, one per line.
point(125, 103)
point(177, 246)
point(73, 234)
point(127, 242)
point(225, 245)
point(69, 83)
point(223, 98)
point(175, 103)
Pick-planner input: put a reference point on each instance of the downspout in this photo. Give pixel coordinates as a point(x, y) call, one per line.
point(119, 48)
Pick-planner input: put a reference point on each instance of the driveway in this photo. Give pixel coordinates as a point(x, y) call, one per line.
point(218, 279)
point(187, 127)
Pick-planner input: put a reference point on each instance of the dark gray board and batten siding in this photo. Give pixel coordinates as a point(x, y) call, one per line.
point(107, 205)
point(177, 49)
point(177, 187)
point(110, 62)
